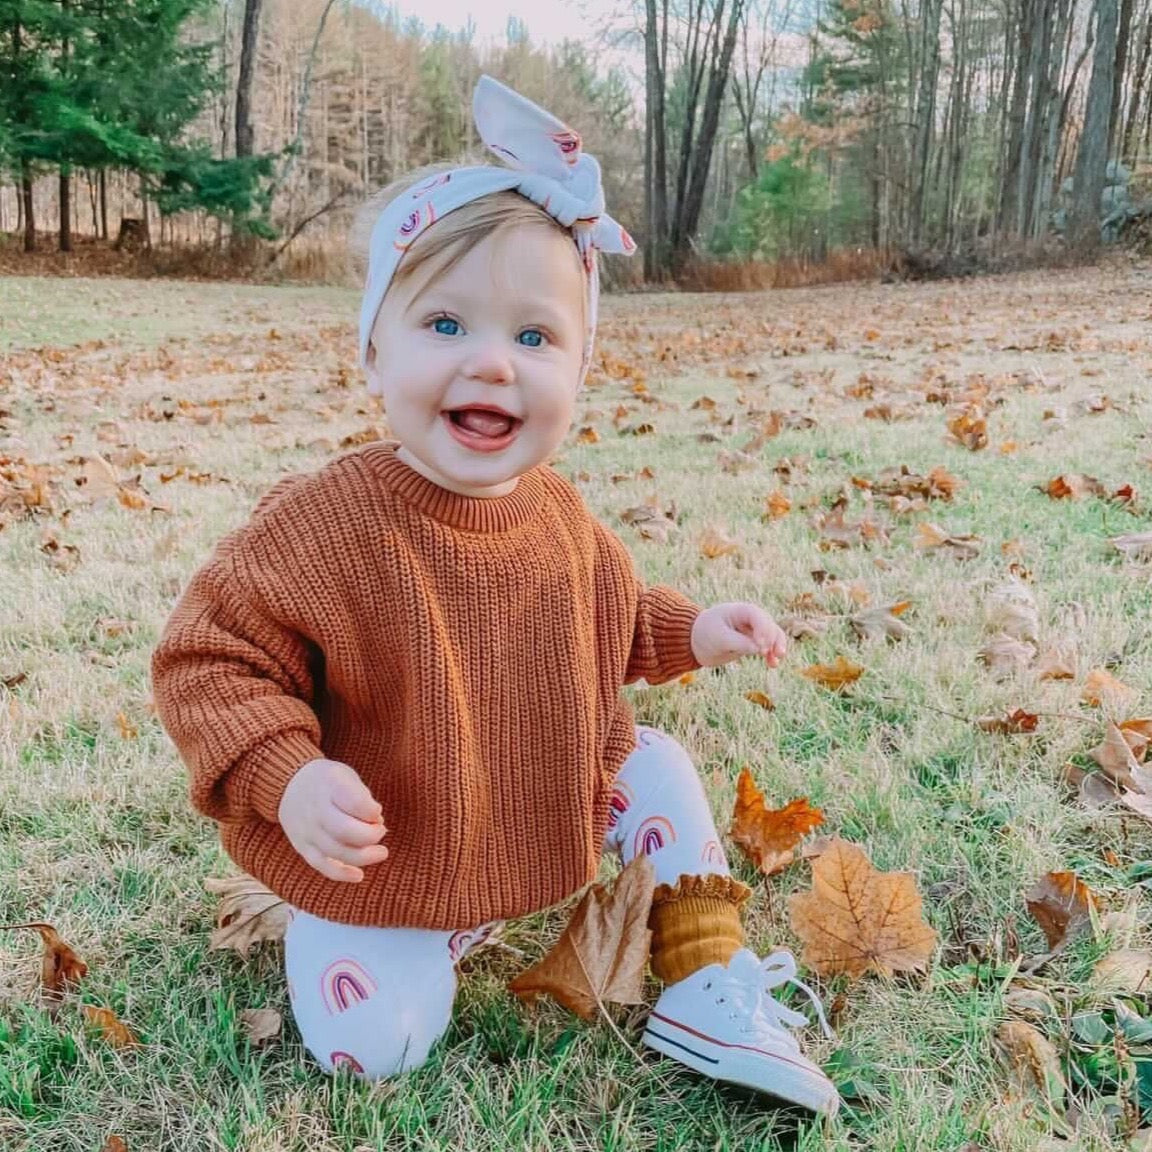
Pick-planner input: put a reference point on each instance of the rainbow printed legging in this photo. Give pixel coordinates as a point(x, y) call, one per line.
point(375, 1000)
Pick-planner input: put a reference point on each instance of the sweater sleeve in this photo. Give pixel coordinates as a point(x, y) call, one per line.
point(661, 620)
point(233, 687)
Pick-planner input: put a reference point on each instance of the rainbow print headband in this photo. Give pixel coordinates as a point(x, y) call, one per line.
point(544, 163)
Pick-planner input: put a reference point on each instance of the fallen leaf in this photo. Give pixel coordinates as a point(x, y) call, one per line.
point(588, 435)
point(765, 701)
point(60, 968)
point(835, 676)
point(970, 429)
point(1057, 663)
point(1125, 972)
point(110, 1026)
point(879, 623)
point(260, 1024)
point(1073, 486)
point(1005, 654)
point(1014, 723)
point(855, 919)
point(776, 505)
point(1010, 608)
point(1102, 689)
point(602, 954)
point(1032, 1062)
point(714, 544)
point(929, 535)
point(768, 837)
point(114, 1144)
point(248, 913)
point(1061, 903)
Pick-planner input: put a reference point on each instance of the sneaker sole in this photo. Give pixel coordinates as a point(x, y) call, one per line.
point(732, 1062)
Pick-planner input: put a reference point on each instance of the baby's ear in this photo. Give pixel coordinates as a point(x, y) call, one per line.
point(371, 372)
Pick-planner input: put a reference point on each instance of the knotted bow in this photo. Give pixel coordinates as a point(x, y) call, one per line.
point(545, 164)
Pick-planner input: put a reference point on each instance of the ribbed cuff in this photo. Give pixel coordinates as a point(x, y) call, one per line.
point(261, 775)
point(673, 616)
point(695, 922)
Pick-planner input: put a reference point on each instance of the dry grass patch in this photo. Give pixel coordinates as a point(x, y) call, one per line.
point(198, 397)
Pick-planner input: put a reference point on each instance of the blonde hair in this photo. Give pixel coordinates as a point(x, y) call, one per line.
point(437, 250)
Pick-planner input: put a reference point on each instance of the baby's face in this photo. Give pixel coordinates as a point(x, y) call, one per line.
point(479, 372)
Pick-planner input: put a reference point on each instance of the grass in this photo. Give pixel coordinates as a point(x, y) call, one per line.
point(239, 384)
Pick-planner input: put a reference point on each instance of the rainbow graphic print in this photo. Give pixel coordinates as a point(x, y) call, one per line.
point(712, 853)
point(655, 833)
point(619, 802)
point(344, 1060)
point(344, 983)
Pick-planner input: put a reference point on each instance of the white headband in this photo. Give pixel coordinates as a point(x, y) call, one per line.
point(546, 165)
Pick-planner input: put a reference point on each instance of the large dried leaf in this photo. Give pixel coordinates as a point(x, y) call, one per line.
point(1061, 903)
point(769, 836)
point(1125, 972)
point(260, 1024)
point(602, 954)
point(1005, 655)
point(1033, 1063)
point(248, 914)
point(855, 919)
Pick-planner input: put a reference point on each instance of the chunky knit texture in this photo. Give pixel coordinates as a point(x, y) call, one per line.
point(465, 656)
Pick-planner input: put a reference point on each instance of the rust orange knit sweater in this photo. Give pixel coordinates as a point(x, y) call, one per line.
point(464, 655)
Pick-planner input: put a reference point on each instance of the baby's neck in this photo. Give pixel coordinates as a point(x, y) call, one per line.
point(504, 489)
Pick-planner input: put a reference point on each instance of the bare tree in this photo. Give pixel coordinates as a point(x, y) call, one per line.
point(1092, 155)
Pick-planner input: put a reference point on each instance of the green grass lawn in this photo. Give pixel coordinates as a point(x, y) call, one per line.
point(202, 395)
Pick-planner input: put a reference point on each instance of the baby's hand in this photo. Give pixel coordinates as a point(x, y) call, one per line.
point(728, 631)
point(330, 818)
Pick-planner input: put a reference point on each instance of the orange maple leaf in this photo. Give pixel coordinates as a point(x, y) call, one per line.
point(602, 953)
point(60, 968)
point(855, 919)
point(768, 837)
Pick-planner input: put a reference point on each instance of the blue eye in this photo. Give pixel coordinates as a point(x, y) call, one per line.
point(445, 326)
point(537, 342)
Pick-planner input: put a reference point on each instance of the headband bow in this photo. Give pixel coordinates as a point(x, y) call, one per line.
point(545, 164)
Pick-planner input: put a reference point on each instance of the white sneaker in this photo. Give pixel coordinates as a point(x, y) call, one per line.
point(725, 1023)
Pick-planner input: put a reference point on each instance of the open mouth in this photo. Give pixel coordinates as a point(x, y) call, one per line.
point(482, 429)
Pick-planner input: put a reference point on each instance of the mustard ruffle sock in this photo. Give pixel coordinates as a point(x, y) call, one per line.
point(695, 922)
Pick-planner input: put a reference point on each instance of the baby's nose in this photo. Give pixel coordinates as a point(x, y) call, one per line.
point(491, 363)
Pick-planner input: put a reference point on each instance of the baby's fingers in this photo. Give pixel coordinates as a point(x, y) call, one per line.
point(333, 869)
point(351, 796)
point(348, 830)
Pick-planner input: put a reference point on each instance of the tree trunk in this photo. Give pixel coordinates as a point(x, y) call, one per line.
point(103, 204)
point(717, 85)
point(1139, 79)
point(29, 213)
point(1092, 155)
point(65, 209)
point(655, 150)
point(925, 115)
point(1010, 180)
point(245, 137)
point(1122, 38)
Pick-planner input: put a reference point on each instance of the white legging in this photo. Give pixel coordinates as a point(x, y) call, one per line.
point(376, 999)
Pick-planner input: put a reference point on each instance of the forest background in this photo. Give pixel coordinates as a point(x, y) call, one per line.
point(753, 141)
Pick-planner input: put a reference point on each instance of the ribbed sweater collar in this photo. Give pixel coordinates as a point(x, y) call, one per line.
point(468, 513)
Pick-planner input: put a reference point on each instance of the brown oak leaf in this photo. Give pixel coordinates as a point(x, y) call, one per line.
point(768, 837)
point(855, 919)
point(602, 953)
point(110, 1026)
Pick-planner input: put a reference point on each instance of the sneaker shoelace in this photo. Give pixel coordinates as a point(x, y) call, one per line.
point(749, 990)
